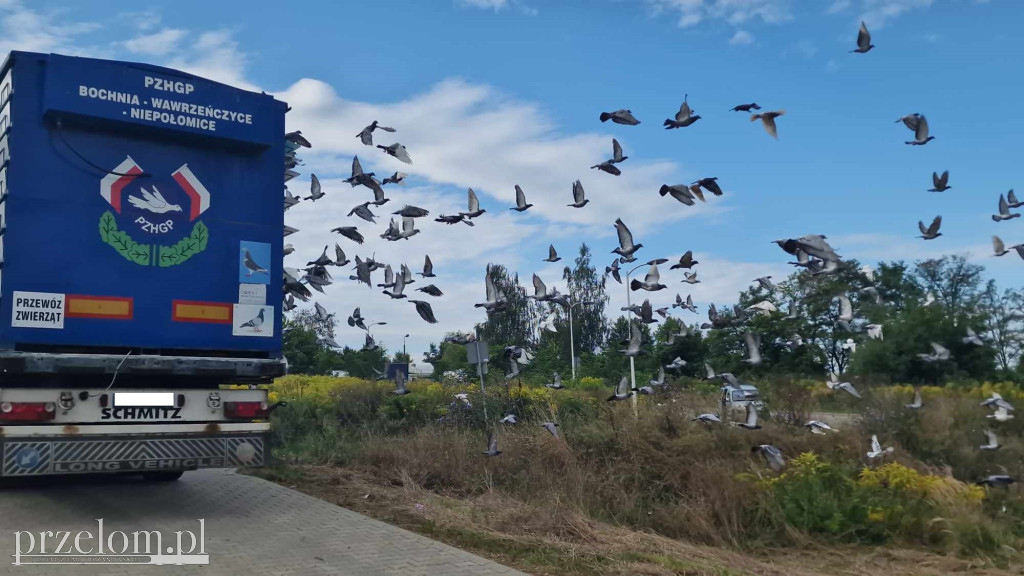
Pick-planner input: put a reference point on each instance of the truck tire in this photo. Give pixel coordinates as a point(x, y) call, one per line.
point(162, 476)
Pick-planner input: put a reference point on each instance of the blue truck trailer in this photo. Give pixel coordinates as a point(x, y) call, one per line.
point(140, 268)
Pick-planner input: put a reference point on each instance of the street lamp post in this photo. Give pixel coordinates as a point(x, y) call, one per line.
point(403, 347)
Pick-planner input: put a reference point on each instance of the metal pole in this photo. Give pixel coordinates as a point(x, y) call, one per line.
point(480, 371)
point(632, 364)
point(572, 344)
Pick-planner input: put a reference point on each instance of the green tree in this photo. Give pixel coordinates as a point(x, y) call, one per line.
point(513, 326)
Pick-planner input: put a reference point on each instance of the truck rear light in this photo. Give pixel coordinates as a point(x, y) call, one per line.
point(27, 411)
point(246, 410)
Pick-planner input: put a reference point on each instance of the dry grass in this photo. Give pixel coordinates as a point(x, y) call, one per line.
point(552, 539)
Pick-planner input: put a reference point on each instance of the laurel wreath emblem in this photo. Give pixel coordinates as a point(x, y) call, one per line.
point(144, 254)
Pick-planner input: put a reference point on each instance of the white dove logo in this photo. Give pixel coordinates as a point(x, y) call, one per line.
point(153, 201)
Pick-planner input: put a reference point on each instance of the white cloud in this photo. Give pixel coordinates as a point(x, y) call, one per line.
point(156, 44)
point(498, 5)
point(215, 55)
point(741, 38)
point(877, 13)
point(736, 12)
point(838, 6)
point(24, 28)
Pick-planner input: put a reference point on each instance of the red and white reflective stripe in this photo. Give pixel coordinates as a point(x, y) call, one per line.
point(197, 193)
point(112, 184)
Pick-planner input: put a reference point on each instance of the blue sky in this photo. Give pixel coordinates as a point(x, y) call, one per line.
point(490, 93)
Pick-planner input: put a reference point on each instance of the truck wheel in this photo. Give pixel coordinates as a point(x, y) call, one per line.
point(162, 476)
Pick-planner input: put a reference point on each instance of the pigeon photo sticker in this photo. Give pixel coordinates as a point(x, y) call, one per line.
point(253, 262)
point(253, 320)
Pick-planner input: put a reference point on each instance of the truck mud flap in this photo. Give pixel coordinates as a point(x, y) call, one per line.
point(84, 455)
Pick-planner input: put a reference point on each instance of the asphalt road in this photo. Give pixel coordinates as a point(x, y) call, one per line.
point(252, 528)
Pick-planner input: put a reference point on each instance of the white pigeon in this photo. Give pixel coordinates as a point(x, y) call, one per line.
point(850, 345)
point(996, 401)
point(509, 418)
point(763, 307)
point(845, 308)
point(875, 331)
point(929, 299)
point(993, 442)
point(549, 323)
point(972, 338)
point(772, 456)
point(876, 448)
point(834, 384)
point(753, 342)
point(918, 401)
point(153, 201)
point(676, 364)
point(818, 427)
point(868, 272)
point(1001, 415)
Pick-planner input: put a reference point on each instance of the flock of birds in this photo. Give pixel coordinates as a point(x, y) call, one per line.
point(812, 252)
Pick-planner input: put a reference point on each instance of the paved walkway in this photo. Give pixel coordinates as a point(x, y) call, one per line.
point(253, 528)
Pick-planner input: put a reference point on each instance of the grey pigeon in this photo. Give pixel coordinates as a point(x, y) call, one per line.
point(751, 422)
point(707, 418)
point(425, 311)
point(552, 428)
point(315, 192)
point(451, 220)
point(863, 40)
point(396, 178)
point(356, 319)
point(919, 125)
point(474, 206)
point(495, 299)
point(1011, 199)
point(660, 380)
point(996, 481)
point(297, 138)
point(411, 212)
point(678, 191)
point(1004, 211)
point(753, 342)
point(321, 312)
point(556, 383)
point(552, 255)
point(622, 391)
point(608, 167)
point(431, 290)
point(766, 283)
point(709, 184)
point(323, 260)
point(685, 261)
point(359, 177)
point(690, 278)
point(398, 290)
point(626, 247)
point(290, 200)
point(940, 183)
point(363, 211)
point(684, 117)
point(772, 456)
point(400, 387)
point(614, 271)
point(289, 303)
point(398, 151)
point(428, 267)
point(1000, 249)
point(521, 205)
point(366, 134)
point(973, 338)
point(768, 120)
point(350, 232)
point(646, 314)
point(339, 256)
point(255, 323)
point(362, 272)
point(509, 418)
point(651, 282)
point(745, 107)
point(617, 153)
point(492, 445)
point(932, 231)
point(818, 427)
point(633, 348)
point(621, 116)
point(578, 195)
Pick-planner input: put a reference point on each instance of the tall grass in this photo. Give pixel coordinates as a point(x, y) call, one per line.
point(664, 473)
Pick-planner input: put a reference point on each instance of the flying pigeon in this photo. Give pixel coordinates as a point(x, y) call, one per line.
point(552, 428)
point(753, 342)
point(745, 107)
point(919, 125)
point(646, 314)
point(620, 117)
point(818, 427)
point(993, 441)
point(492, 445)
point(398, 151)
point(751, 421)
point(932, 231)
point(996, 481)
point(766, 283)
point(678, 191)
point(768, 119)
point(289, 199)
point(644, 390)
point(556, 383)
point(397, 291)
point(363, 211)
point(412, 212)
point(366, 134)
point(616, 153)
point(1011, 199)
point(450, 220)
point(297, 138)
point(579, 199)
point(495, 299)
point(431, 290)
point(389, 278)
point(521, 205)
point(400, 385)
point(350, 232)
point(1000, 249)
point(763, 307)
point(685, 261)
point(875, 331)
point(651, 282)
point(614, 271)
point(428, 267)
point(845, 308)
point(323, 260)
point(876, 448)
point(251, 265)
point(676, 364)
point(425, 311)
point(834, 384)
point(973, 338)
point(684, 117)
point(918, 401)
point(626, 247)
point(690, 278)
point(155, 202)
point(622, 391)
point(709, 184)
point(408, 228)
point(660, 380)
point(863, 40)
point(552, 255)
point(940, 183)
point(339, 256)
point(509, 418)
point(707, 418)
point(1001, 414)
point(315, 192)
point(996, 401)
point(939, 352)
point(321, 312)
point(608, 167)
point(1004, 211)
point(473, 205)
point(396, 178)
point(633, 348)
point(255, 323)
point(772, 456)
